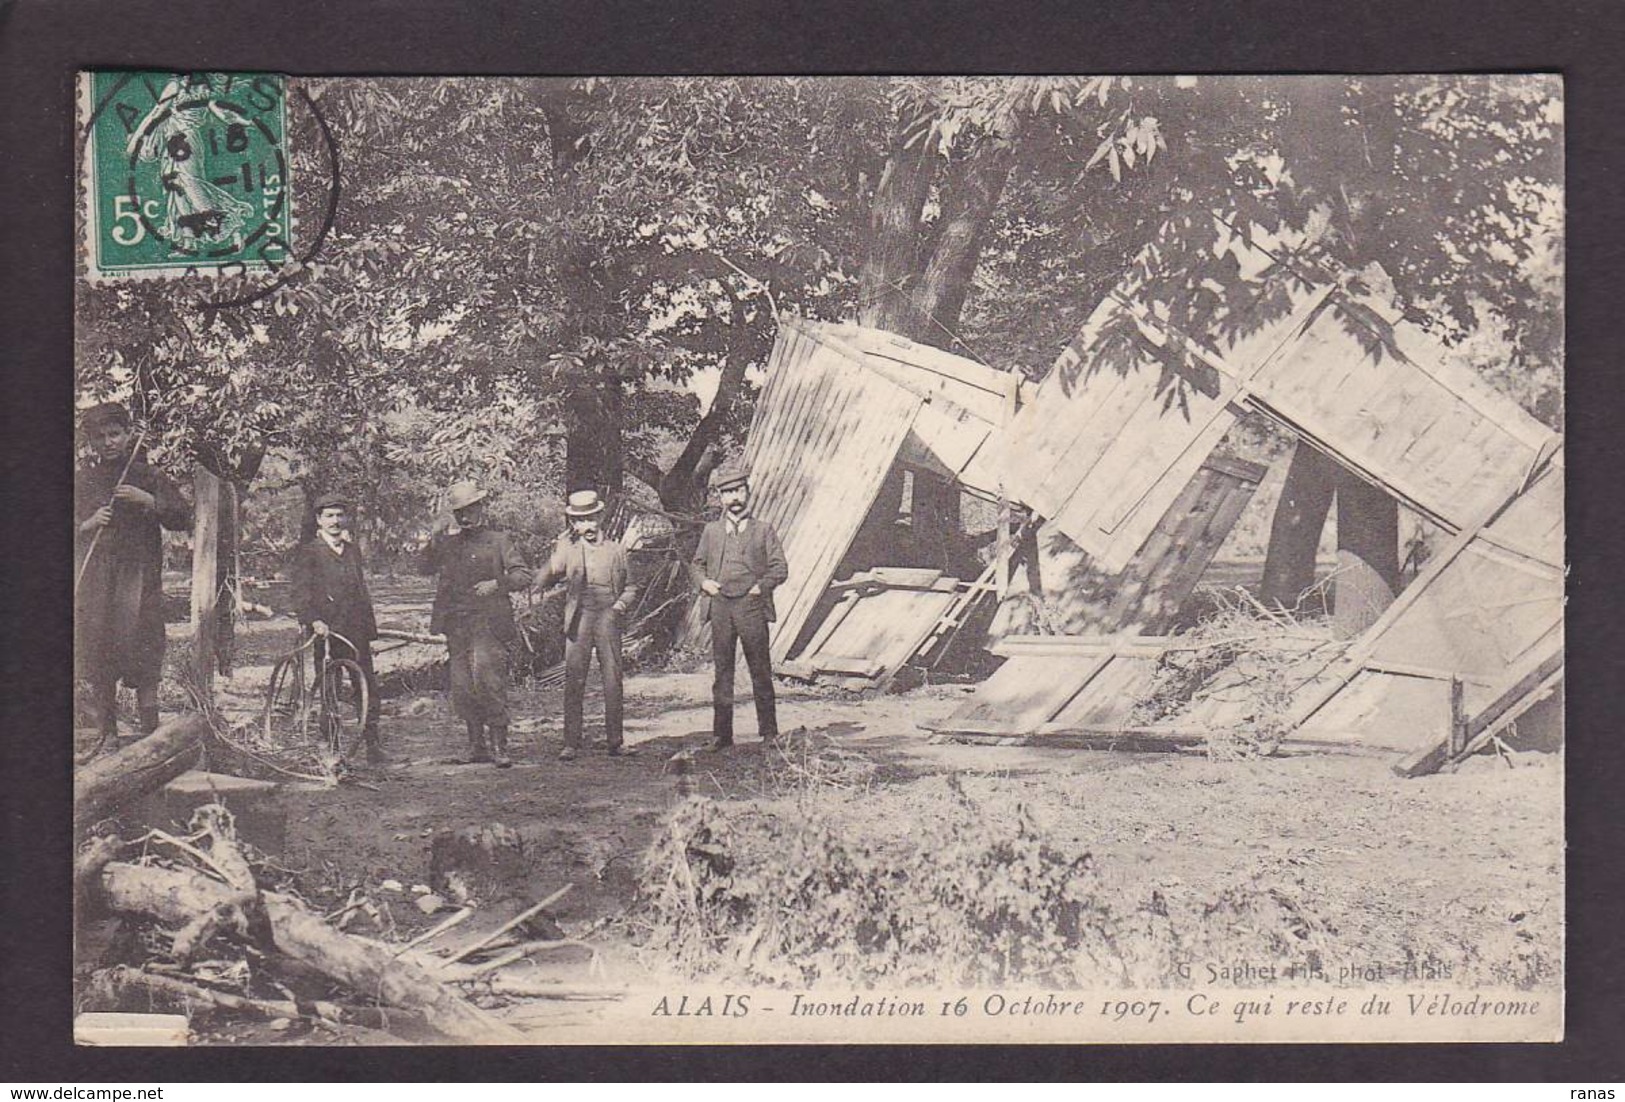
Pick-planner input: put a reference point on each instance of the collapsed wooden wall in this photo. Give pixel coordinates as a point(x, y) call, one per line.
point(1112, 437)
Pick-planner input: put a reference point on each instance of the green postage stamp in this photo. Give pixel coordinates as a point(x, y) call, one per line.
point(186, 173)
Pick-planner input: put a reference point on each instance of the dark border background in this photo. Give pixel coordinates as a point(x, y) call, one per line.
point(43, 44)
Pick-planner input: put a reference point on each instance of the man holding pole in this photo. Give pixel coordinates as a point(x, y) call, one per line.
point(330, 597)
point(121, 503)
point(737, 565)
point(598, 593)
point(478, 567)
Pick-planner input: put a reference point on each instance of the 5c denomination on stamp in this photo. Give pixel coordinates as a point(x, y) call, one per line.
point(186, 173)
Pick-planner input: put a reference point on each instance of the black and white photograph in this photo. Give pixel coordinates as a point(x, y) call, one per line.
point(725, 560)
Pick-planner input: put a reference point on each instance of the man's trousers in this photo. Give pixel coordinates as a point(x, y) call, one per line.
point(479, 672)
point(596, 629)
point(742, 620)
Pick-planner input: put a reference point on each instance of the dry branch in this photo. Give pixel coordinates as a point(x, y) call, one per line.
point(529, 912)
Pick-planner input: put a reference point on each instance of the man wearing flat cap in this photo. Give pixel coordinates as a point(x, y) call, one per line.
point(121, 503)
point(598, 594)
point(737, 565)
point(330, 597)
point(478, 566)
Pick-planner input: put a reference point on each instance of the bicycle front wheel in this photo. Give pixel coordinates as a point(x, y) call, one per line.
point(345, 706)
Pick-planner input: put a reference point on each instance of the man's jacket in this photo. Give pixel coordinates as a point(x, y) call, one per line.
point(568, 561)
point(764, 559)
point(463, 561)
point(332, 588)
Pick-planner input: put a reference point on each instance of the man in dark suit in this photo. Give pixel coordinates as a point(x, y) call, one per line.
point(598, 593)
point(478, 567)
point(121, 503)
point(330, 598)
point(737, 566)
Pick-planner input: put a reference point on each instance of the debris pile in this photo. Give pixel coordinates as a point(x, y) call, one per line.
point(204, 928)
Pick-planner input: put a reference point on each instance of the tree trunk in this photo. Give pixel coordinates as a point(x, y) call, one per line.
point(683, 488)
point(226, 576)
point(970, 194)
point(885, 282)
point(208, 507)
point(1367, 555)
point(1300, 516)
point(593, 456)
point(111, 782)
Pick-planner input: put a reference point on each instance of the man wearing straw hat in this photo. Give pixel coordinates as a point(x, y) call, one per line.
point(738, 564)
point(329, 592)
point(478, 566)
point(598, 594)
point(120, 504)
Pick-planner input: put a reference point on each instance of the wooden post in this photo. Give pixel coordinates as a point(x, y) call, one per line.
point(205, 575)
point(1458, 718)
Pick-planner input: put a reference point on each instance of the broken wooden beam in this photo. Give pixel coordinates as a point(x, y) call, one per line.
point(110, 782)
point(1136, 646)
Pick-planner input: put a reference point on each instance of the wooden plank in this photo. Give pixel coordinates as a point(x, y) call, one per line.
point(1023, 693)
point(835, 663)
point(843, 608)
point(1110, 696)
point(851, 483)
point(1084, 645)
point(905, 577)
point(1524, 685)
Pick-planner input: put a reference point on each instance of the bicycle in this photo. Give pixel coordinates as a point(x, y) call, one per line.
point(334, 716)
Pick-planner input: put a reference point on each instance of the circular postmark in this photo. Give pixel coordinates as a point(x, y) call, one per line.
point(189, 172)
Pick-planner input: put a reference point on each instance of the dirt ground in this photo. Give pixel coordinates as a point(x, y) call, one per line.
point(1465, 868)
point(1390, 865)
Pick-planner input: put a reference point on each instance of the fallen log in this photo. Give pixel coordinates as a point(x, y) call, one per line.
point(179, 897)
point(111, 782)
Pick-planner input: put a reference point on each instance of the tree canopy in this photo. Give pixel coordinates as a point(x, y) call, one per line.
point(533, 279)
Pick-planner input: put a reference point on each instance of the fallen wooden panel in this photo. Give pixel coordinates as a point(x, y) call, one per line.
point(1385, 710)
point(1023, 694)
point(1488, 610)
point(1145, 596)
point(885, 617)
point(880, 629)
point(825, 433)
point(1109, 697)
point(1112, 436)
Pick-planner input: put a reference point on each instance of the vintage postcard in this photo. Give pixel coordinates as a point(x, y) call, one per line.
point(753, 560)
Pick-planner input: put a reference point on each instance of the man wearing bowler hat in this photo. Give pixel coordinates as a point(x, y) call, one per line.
point(478, 566)
point(121, 503)
point(737, 565)
point(598, 594)
point(329, 591)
